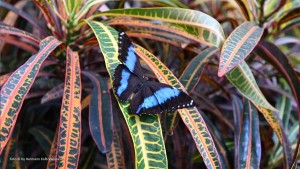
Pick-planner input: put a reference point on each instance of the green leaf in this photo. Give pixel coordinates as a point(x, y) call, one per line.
point(15, 89)
point(242, 78)
point(238, 46)
point(145, 130)
point(44, 137)
point(210, 29)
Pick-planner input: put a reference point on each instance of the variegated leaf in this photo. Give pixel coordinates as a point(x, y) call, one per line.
point(191, 117)
point(209, 28)
point(69, 137)
point(242, 78)
point(145, 130)
point(15, 89)
point(238, 46)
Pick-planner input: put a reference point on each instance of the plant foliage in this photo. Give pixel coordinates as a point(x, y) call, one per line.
point(238, 60)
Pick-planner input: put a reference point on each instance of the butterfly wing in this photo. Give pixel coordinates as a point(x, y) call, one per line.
point(145, 102)
point(169, 97)
point(128, 56)
point(125, 82)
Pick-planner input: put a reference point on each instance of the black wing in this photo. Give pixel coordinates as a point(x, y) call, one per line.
point(169, 97)
point(128, 56)
point(125, 82)
point(145, 102)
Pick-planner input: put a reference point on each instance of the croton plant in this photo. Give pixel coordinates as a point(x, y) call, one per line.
point(239, 60)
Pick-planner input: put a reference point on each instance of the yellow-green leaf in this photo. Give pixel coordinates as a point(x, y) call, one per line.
point(145, 130)
point(242, 78)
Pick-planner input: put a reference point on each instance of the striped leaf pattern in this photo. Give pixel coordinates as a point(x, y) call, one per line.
point(115, 158)
point(17, 86)
point(14, 31)
point(145, 130)
point(238, 46)
point(100, 117)
point(53, 94)
point(208, 27)
point(69, 136)
point(191, 117)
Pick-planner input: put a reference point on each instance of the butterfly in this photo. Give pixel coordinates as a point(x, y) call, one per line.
point(148, 97)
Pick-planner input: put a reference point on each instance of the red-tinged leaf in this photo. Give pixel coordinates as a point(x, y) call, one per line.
point(238, 46)
point(3, 78)
point(52, 155)
point(17, 86)
point(100, 117)
point(249, 147)
point(18, 43)
point(277, 58)
point(68, 144)
point(53, 94)
point(20, 33)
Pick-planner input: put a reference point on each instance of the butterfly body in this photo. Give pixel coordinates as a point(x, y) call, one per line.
point(148, 97)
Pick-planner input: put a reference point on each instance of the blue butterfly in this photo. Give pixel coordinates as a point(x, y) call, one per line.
point(148, 97)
